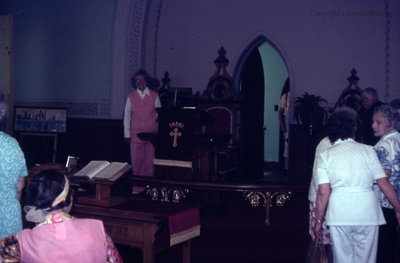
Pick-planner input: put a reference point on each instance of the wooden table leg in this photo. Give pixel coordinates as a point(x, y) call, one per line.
point(186, 252)
point(148, 255)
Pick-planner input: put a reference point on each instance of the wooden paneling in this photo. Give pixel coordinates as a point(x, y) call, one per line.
point(101, 139)
point(301, 154)
point(88, 139)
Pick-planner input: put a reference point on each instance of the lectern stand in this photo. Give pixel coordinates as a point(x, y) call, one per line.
point(103, 195)
point(175, 137)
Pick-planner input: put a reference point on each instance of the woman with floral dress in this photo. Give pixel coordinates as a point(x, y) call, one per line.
point(384, 122)
point(12, 179)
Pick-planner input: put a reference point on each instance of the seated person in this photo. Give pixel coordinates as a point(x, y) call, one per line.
point(57, 237)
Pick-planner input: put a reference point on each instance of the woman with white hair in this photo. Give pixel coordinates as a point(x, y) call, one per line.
point(384, 123)
point(12, 179)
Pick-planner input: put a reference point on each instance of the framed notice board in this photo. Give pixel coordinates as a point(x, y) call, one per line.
point(43, 120)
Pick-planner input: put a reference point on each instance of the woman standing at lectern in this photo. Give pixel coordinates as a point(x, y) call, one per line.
point(141, 116)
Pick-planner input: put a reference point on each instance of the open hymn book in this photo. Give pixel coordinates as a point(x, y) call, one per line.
point(103, 170)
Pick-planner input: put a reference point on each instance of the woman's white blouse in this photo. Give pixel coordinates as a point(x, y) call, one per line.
point(324, 144)
point(351, 169)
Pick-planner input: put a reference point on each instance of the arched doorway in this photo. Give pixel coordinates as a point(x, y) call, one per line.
point(262, 74)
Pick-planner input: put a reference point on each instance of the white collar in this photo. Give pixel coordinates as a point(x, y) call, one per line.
point(338, 141)
point(143, 93)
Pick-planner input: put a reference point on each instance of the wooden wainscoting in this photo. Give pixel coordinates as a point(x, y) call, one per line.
point(88, 139)
point(301, 154)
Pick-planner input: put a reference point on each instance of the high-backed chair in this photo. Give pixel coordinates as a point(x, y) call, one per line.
point(225, 124)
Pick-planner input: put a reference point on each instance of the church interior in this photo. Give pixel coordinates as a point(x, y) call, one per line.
point(228, 63)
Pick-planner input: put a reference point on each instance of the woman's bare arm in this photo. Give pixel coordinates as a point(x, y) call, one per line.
point(324, 192)
point(21, 185)
point(390, 194)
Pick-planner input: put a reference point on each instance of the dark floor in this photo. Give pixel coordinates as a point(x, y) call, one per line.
point(233, 231)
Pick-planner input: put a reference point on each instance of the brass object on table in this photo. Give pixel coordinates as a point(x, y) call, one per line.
point(165, 194)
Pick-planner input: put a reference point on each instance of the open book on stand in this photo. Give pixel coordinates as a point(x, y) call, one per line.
point(103, 170)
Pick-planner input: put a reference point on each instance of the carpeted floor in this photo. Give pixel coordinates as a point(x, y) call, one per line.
point(234, 232)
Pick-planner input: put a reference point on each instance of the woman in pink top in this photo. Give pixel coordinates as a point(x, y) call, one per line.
point(140, 116)
point(57, 237)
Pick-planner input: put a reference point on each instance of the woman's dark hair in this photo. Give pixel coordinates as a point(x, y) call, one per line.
point(152, 83)
point(44, 188)
point(340, 125)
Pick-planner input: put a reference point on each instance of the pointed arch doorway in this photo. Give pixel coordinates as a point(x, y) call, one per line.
point(262, 74)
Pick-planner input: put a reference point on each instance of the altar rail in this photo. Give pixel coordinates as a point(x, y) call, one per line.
point(266, 195)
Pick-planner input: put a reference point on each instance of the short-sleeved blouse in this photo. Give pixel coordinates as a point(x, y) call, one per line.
point(12, 167)
point(388, 151)
point(351, 169)
point(324, 144)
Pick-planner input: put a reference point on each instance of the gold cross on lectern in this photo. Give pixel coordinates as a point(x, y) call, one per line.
point(175, 134)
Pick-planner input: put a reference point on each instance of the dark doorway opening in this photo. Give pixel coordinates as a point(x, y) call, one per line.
point(252, 130)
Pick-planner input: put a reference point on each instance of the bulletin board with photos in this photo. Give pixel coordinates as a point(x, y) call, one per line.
point(43, 120)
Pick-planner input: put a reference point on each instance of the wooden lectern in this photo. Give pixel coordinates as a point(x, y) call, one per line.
point(181, 142)
point(175, 137)
point(102, 196)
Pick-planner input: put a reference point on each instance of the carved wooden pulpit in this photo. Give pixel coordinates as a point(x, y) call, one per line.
point(181, 146)
point(175, 137)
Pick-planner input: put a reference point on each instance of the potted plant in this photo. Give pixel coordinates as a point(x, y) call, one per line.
point(308, 111)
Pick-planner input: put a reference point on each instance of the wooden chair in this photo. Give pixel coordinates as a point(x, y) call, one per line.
point(225, 123)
